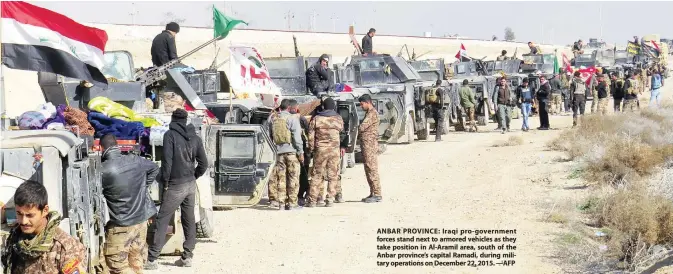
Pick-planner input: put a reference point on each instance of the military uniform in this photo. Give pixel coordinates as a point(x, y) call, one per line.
point(288, 168)
point(631, 87)
point(126, 248)
point(578, 98)
point(369, 136)
point(502, 58)
point(324, 143)
point(603, 91)
point(468, 102)
point(594, 94)
point(59, 252)
point(438, 113)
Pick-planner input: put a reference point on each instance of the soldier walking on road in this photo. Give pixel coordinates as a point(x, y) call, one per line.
point(556, 97)
point(467, 101)
point(324, 143)
point(182, 150)
point(435, 97)
point(578, 97)
point(504, 99)
point(38, 245)
point(369, 143)
point(126, 179)
point(631, 92)
point(286, 131)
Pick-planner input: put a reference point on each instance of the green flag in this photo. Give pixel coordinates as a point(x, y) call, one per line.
point(556, 66)
point(223, 24)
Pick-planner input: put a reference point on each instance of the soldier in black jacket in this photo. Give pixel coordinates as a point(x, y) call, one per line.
point(367, 46)
point(543, 94)
point(163, 46)
point(318, 76)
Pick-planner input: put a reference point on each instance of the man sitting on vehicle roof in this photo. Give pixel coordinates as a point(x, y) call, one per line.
point(318, 77)
point(534, 49)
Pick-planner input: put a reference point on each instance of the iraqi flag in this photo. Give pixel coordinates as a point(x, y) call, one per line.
point(566, 63)
point(37, 39)
point(462, 52)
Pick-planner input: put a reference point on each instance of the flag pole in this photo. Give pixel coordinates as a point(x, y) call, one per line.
point(4, 122)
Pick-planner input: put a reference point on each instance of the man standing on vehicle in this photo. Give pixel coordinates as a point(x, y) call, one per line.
point(525, 97)
point(534, 49)
point(578, 48)
point(182, 150)
point(163, 46)
point(631, 92)
point(286, 132)
point(503, 56)
point(556, 97)
point(126, 179)
point(578, 89)
point(318, 77)
point(617, 89)
point(369, 144)
point(435, 98)
point(542, 95)
point(324, 143)
point(468, 102)
point(504, 100)
point(367, 45)
point(37, 245)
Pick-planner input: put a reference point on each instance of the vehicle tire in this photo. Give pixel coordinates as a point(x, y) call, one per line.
point(410, 128)
point(350, 160)
point(204, 227)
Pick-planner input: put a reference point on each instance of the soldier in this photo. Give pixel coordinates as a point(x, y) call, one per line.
point(556, 97)
point(593, 84)
point(369, 136)
point(617, 90)
point(435, 98)
point(324, 143)
point(504, 99)
point(38, 245)
point(467, 101)
point(273, 182)
point(126, 179)
point(565, 84)
point(318, 76)
point(603, 91)
point(503, 56)
point(367, 45)
point(631, 92)
point(303, 174)
point(286, 132)
point(525, 97)
point(578, 97)
point(534, 49)
point(578, 48)
point(542, 95)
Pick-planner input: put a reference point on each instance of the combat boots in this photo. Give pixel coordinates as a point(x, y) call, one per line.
point(372, 199)
point(339, 198)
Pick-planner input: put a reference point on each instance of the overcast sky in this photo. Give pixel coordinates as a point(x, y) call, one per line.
point(549, 22)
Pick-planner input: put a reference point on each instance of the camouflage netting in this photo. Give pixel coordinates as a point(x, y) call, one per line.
point(306, 109)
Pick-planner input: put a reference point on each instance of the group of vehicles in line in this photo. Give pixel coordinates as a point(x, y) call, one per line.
point(240, 151)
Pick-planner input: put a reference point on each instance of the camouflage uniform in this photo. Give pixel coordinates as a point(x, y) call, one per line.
point(65, 256)
point(324, 141)
point(369, 135)
point(287, 178)
point(126, 248)
point(631, 95)
point(594, 94)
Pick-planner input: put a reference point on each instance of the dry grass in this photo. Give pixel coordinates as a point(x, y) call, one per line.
point(619, 148)
point(511, 141)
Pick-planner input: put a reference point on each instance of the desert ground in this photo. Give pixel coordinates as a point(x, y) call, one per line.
point(469, 180)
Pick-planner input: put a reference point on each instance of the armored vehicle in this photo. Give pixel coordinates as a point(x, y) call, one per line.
point(71, 175)
point(430, 71)
point(395, 88)
point(586, 60)
point(482, 84)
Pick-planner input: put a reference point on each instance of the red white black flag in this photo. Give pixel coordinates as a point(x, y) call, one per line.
point(38, 39)
point(462, 52)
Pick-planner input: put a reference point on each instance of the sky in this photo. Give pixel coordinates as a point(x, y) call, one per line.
point(541, 22)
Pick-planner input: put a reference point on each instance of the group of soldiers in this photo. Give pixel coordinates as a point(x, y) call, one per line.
point(300, 141)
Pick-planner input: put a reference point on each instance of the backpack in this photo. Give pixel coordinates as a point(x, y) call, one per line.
point(281, 132)
point(633, 87)
point(580, 87)
point(431, 96)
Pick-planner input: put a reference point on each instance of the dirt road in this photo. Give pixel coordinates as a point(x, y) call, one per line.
point(462, 182)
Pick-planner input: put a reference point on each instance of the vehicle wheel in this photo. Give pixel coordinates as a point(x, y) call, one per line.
point(410, 129)
point(204, 228)
point(423, 134)
point(350, 160)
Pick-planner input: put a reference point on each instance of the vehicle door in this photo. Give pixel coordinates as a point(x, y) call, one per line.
point(243, 156)
point(348, 111)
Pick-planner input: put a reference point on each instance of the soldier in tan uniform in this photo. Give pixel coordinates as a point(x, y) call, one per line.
point(286, 132)
point(324, 142)
point(631, 87)
point(369, 143)
point(37, 245)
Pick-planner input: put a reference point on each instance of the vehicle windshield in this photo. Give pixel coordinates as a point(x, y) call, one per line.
point(378, 70)
point(465, 68)
point(238, 147)
point(532, 59)
point(118, 65)
point(584, 58)
point(621, 55)
point(549, 58)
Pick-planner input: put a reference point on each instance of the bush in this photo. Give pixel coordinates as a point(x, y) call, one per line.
point(511, 141)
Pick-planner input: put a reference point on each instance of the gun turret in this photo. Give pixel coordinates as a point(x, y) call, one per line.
point(152, 76)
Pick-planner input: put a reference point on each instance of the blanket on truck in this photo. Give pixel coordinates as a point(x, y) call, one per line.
point(121, 129)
